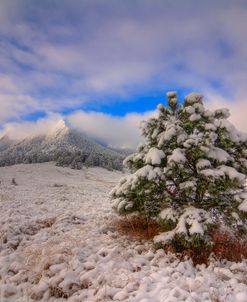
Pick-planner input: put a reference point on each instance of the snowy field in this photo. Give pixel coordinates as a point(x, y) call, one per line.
point(57, 243)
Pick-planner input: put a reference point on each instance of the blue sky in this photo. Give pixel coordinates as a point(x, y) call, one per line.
point(62, 57)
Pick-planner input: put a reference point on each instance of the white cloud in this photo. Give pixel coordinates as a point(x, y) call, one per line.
point(23, 129)
point(122, 132)
point(12, 101)
point(16, 102)
point(86, 51)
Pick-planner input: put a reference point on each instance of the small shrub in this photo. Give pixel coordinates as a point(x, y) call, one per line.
point(13, 182)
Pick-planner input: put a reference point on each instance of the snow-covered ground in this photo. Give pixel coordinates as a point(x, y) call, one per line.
point(57, 243)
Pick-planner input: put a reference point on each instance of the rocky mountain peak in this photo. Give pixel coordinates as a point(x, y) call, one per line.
point(59, 129)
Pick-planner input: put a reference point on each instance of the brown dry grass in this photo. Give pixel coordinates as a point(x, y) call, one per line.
point(137, 227)
point(227, 246)
point(54, 251)
point(224, 245)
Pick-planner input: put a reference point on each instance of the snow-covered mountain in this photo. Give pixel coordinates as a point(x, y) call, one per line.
point(62, 144)
point(6, 142)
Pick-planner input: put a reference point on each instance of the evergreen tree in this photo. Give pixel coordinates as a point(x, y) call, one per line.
point(190, 171)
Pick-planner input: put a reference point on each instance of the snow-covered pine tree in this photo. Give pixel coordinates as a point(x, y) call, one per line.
point(190, 171)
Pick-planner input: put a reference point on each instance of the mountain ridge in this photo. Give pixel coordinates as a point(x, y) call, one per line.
point(62, 144)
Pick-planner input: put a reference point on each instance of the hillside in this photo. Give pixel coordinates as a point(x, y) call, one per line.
point(5, 143)
point(62, 144)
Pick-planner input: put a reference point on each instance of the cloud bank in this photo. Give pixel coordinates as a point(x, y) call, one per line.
point(120, 132)
point(71, 54)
